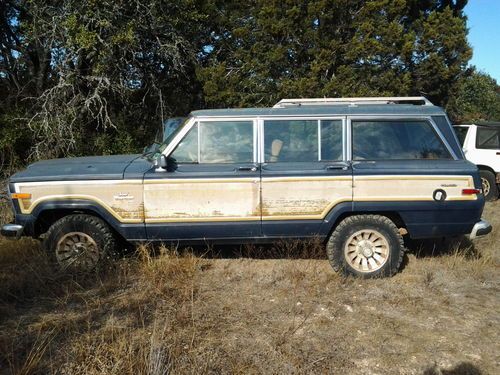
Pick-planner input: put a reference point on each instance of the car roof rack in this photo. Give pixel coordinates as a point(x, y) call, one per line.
point(415, 100)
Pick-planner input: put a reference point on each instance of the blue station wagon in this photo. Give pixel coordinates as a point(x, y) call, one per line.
point(357, 173)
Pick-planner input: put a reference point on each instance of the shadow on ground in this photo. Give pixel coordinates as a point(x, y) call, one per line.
point(464, 368)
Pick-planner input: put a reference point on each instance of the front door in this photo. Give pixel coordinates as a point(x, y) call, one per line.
point(215, 191)
point(304, 174)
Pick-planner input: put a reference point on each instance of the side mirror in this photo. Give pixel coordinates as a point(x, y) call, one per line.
point(164, 163)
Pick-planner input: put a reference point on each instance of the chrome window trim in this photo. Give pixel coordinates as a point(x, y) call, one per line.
point(319, 140)
point(198, 132)
point(346, 138)
point(255, 141)
point(346, 133)
point(311, 116)
point(260, 130)
point(173, 144)
point(392, 118)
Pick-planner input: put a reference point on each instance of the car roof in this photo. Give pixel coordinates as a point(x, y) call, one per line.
point(325, 110)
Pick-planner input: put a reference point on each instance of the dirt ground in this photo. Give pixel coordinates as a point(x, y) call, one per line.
point(275, 310)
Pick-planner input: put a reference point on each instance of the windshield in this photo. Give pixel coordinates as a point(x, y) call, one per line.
point(171, 125)
point(153, 151)
point(173, 133)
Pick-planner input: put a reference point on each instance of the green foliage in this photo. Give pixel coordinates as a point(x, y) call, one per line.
point(14, 143)
point(335, 48)
point(475, 97)
point(97, 76)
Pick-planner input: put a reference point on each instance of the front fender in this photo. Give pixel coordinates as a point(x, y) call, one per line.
point(130, 232)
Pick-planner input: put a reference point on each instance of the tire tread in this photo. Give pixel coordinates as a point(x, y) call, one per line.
point(353, 220)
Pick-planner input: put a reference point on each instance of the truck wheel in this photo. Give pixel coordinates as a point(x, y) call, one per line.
point(366, 246)
point(79, 242)
point(490, 188)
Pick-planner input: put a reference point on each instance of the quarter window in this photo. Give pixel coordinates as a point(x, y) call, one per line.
point(302, 140)
point(488, 138)
point(396, 140)
point(217, 142)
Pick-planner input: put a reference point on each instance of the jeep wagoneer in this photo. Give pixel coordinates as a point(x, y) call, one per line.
point(358, 173)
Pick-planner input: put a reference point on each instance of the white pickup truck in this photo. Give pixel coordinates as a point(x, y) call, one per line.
point(481, 145)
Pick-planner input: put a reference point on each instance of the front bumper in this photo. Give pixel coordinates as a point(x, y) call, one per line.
point(481, 228)
point(12, 230)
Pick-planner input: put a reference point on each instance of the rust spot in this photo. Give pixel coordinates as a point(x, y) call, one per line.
point(26, 203)
point(294, 207)
point(136, 213)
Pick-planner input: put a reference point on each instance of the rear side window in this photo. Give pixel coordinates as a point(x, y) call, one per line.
point(461, 132)
point(396, 140)
point(302, 140)
point(488, 138)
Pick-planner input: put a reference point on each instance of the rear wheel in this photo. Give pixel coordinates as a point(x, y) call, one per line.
point(366, 246)
point(488, 182)
point(79, 243)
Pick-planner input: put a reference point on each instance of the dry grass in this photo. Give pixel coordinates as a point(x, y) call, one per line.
point(253, 310)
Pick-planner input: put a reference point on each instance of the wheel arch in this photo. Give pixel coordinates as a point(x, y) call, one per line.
point(343, 211)
point(486, 168)
point(47, 213)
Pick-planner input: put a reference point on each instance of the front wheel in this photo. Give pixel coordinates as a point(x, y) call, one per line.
point(489, 184)
point(366, 246)
point(79, 243)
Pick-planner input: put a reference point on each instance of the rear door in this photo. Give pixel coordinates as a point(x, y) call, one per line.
point(215, 191)
point(304, 173)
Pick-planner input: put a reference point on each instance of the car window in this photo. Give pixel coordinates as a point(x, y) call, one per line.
point(397, 140)
point(187, 149)
point(226, 142)
point(217, 142)
point(461, 132)
point(297, 140)
point(290, 140)
point(488, 138)
point(331, 140)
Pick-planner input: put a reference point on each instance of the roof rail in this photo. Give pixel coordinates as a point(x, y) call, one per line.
point(416, 100)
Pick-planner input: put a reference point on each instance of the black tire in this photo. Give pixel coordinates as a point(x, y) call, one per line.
point(80, 243)
point(387, 245)
point(490, 188)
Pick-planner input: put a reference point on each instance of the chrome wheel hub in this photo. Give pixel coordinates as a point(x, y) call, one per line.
point(77, 250)
point(366, 250)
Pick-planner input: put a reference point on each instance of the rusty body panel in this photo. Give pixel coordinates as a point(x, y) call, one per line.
point(410, 188)
point(303, 198)
point(186, 200)
point(123, 199)
point(242, 199)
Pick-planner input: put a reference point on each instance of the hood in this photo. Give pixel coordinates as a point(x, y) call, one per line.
point(83, 168)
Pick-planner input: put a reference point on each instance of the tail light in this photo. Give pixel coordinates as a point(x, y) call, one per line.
point(471, 191)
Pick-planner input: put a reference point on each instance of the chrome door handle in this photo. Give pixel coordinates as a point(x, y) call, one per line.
point(247, 169)
point(336, 167)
